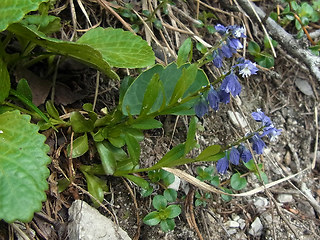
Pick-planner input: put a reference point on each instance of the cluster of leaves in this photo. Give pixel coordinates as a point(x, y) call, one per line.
point(263, 57)
point(302, 14)
point(165, 213)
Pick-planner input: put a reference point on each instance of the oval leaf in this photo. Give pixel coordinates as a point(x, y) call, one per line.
point(12, 11)
point(23, 170)
point(120, 48)
point(79, 146)
point(237, 182)
point(4, 80)
point(152, 219)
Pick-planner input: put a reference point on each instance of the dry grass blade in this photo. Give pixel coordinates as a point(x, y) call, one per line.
point(206, 187)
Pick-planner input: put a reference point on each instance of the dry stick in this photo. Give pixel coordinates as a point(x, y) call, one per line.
point(74, 19)
point(189, 206)
point(285, 39)
point(19, 231)
point(84, 12)
point(137, 235)
point(317, 136)
point(173, 22)
point(107, 7)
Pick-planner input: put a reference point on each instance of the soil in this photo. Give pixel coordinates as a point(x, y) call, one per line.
point(273, 90)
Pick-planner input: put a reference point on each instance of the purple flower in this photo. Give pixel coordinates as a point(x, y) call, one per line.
point(230, 84)
point(224, 96)
point(234, 43)
point(234, 156)
point(247, 68)
point(237, 31)
point(221, 29)
point(259, 116)
point(217, 58)
point(257, 143)
point(227, 52)
point(271, 132)
point(213, 98)
point(245, 153)
point(223, 164)
point(201, 107)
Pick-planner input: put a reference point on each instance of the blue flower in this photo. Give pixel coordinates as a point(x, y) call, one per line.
point(259, 116)
point(227, 52)
point(247, 68)
point(213, 98)
point(245, 153)
point(234, 43)
point(224, 96)
point(257, 143)
point(221, 29)
point(271, 132)
point(234, 156)
point(217, 58)
point(230, 84)
point(237, 31)
point(201, 107)
point(223, 164)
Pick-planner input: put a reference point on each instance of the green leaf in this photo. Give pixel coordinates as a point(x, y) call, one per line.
point(167, 225)
point(169, 76)
point(107, 154)
point(24, 89)
point(80, 124)
point(150, 95)
point(4, 78)
point(12, 11)
point(44, 23)
point(263, 176)
point(79, 146)
point(96, 187)
point(170, 194)
point(237, 182)
point(267, 43)
point(265, 60)
point(250, 165)
point(174, 154)
point(146, 124)
point(215, 181)
point(120, 48)
point(51, 110)
point(80, 52)
point(174, 211)
point(226, 198)
point(191, 142)
point(254, 48)
point(186, 79)
point(152, 219)
point(23, 170)
point(133, 148)
point(184, 51)
point(139, 181)
point(208, 152)
point(166, 177)
point(159, 202)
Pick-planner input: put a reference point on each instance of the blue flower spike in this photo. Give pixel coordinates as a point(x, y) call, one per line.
point(234, 156)
point(201, 107)
point(230, 84)
point(213, 98)
point(257, 143)
point(269, 129)
point(245, 154)
point(223, 164)
point(247, 68)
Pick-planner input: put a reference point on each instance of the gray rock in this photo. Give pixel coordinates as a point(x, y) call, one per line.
point(304, 86)
point(232, 224)
point(234, 117)
point(176, 183)
point(86, 223)
point(256, 228)
point(283, 198)
point(261, 203)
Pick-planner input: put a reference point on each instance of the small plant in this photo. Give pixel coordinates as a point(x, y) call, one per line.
point(202, 199)
point(263, 57)
point(165, 213)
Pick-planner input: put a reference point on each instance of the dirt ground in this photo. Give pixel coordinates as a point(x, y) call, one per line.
point(287, 93)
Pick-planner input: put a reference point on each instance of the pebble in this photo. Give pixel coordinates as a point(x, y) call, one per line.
point(242, 223)
point(234, 117)
point(235, 217)
point(261, 203)
point(176, 183)
point(256, 228)
point(232, 224)
point(284, 198)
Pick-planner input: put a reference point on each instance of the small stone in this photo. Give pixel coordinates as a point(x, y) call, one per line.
point(261, 203)
point(242, 223)
point(284, 198)
point(232, 224)
point(231, 231)
point(235, 217)
point(234, 117)
point(86, 223)
point(256, 228)
point(287, 158)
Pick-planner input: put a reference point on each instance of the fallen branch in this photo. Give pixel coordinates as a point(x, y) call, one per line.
point(285, 39)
